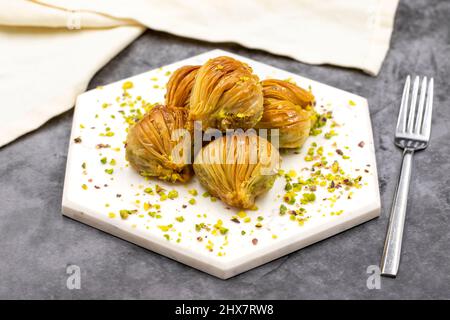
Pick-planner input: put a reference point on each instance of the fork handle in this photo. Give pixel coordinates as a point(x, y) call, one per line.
point(393, 245)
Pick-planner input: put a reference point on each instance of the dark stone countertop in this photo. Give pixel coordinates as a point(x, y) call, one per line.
point(37, 242)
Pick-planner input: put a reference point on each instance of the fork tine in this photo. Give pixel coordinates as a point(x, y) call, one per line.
point(412, 109)
point(401, 122)
point(426, 127)
point(418, 122)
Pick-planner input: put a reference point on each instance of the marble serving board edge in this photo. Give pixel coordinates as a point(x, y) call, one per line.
point(202, 262)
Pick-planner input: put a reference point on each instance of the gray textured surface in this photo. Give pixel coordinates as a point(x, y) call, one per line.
point(37, 243)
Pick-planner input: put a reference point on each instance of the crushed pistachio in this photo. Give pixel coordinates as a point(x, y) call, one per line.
point(335, 167)
point(319, 121)
point(148, 190)
point(308, 197)
point(163, 196)
point(289, 197)
point(125, 213)
point(242, 214)
point(200, 226)
point(219, 226)
point(173, 194)
point(193, 192)
point(288, 186)
point(330, 134)
point(336, 213)
point(165, 228)
point(206, 194)
point(127, 85)
point(210, 245)
point(235, 219)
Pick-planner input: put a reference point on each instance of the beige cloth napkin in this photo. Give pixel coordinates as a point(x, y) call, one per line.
point(45, 61)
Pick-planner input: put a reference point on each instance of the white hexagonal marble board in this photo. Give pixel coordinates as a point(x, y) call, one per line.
point(207, 234)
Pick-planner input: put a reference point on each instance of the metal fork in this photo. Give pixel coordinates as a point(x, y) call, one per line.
point(411, 134)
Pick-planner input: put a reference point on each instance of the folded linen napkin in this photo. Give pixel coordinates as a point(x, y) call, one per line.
point(47, 61)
